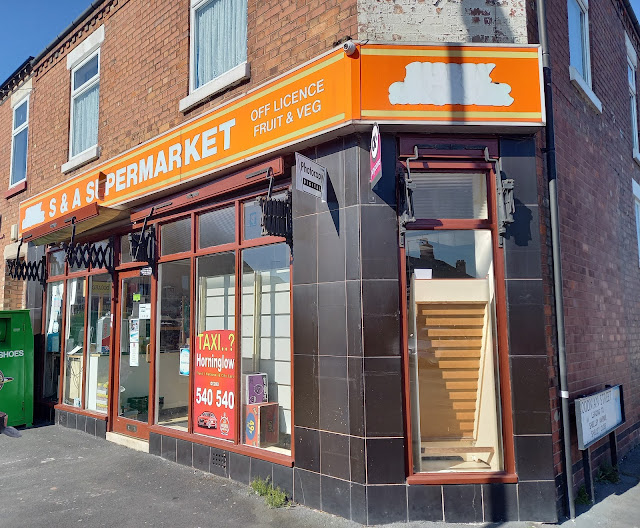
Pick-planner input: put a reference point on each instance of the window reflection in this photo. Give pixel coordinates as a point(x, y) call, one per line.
point(74, 342)
point(99, 332)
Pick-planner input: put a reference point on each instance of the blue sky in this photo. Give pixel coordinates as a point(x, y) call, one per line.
point(28, 26)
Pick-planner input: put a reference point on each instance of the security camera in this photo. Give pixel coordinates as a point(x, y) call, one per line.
point(349, 47)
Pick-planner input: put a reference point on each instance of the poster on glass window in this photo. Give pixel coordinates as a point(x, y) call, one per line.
point(215, 384)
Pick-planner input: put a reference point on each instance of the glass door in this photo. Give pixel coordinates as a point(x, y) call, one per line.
point(134, 360)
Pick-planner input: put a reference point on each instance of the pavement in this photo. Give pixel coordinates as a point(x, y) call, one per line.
point(58, 477)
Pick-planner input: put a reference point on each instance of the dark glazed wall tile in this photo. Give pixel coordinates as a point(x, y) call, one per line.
point(538, 501)
point(332, 319)
point(155, 444)
point(305, 242)
point(534, 457)
point(383, 397)
point(354, 318)
point(530, 384)
point(524, 292)
point(334, 455)
point(352, 233)
point(303, 203)
point(305, 319)
point(381, 335)
point(522, 244)
point(500, 502)
point(239, 467)
point(101, 428)
point(355, 366)
point(387, 504)
point(57, 416)
point(261, 469)
point(307, 448)
point(331, 156)
point(462, 503)
point(352, 152)
point(379, 239)
point(380, 297)
point(91, 425)
point(169, 448)
point(81, 422)
point(532, 423)
point(518, 161)
point(306, 488)
point(358, 503)
point(72, 420)
point(425, 503)
point(201, 457)
point(385, 460)
point(306, 392)
point(358, 459)
point(331, 246)
point(334, 394)
point(184, 453)
point(283, 479)
point(336, 496)
point(526, 329)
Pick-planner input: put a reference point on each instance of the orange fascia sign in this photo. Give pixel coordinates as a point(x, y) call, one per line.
point(387, 84)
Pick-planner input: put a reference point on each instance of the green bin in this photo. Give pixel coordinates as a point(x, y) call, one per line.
point(16, 367)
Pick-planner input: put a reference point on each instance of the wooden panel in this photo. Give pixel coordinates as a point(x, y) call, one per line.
point(461, 385)
point(456, 343)
point(457, 353)
point(471, 364)
point(454, 332)
point(460, 374)
point(454, 321)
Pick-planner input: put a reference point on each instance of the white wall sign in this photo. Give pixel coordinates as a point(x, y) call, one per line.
point(311, 177)
point(598, 415)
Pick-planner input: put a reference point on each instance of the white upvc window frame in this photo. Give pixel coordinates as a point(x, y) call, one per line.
point(76, 92)
point(636, 203)
point(223, 81)
point(78, 57)
point(583, 81)
point(632, 79)
point(14, 132)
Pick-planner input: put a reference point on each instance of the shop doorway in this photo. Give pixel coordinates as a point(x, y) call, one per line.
point(133, 388)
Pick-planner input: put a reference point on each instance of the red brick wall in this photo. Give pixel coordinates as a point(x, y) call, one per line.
point(145, 72)
point(601, 277)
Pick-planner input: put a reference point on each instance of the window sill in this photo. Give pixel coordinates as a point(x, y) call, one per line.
point(16, 189)
point(584, 89)
point(636, 156)
point(234, 76)
point(462, 478)
point(81, 159)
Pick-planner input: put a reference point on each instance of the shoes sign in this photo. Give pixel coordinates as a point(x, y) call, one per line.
point(311, 177)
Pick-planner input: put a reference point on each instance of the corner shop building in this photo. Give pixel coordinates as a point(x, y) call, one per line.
point(399, 331)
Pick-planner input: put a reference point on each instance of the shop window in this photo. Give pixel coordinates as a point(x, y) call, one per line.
point(52, 331)
point(266, 347)
point(217, 227)
point(447, 195)
point(216, 292)
point(218, 48)
point(56, 263)
point(172, 363)
point(125, 250)
point(453, 351)
point(85, 88)
point(99, 341)
point(74, 342)
point(19, 139)
point(175, 237)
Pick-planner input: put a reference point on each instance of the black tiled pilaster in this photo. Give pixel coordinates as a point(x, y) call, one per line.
point(306, 488)
point(332, 319)
point(305, 319)
point(383, 396)
point(354, 318)
point(355, 367)
point(379, 239)
point(305, 242)
point(352, 233)
point(358, 459)
point(331, 246)
point(534, 457)
point(307, 448)
point(358, 503)
point(387, 504)
point(306, 390)
point(530, 384)
point(169, 448)
point(334, 455)
point(336, 496)
point(537, 501)
point(334, 394)
point(526, 329)
point(385, 460)
point(518, 161)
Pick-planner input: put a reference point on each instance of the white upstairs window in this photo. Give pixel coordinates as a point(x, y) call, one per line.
point(19, 139)
point(632, 66)
point(218, 48)
point(85, 91)
point(636, 202)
